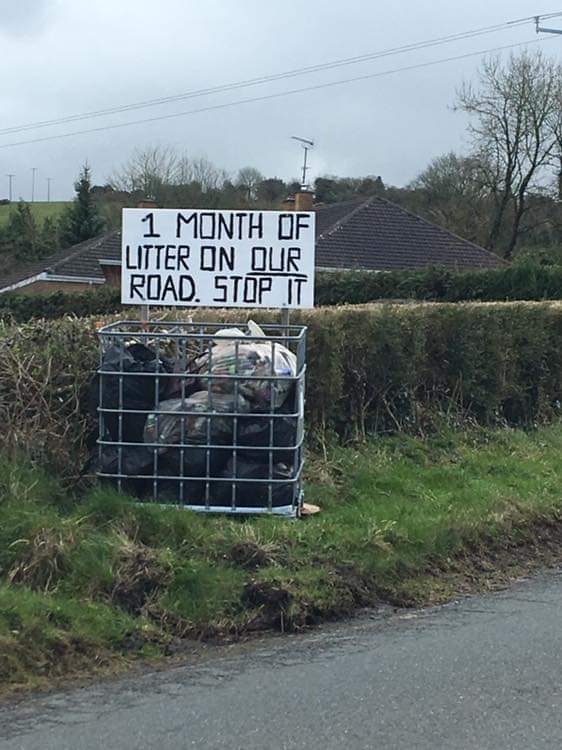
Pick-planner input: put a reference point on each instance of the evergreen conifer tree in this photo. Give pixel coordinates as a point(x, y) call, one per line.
point(81, 220)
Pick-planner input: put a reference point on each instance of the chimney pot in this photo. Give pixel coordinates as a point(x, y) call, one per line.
point(288, 204)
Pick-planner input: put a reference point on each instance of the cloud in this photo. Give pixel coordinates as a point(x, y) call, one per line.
point(24, 17)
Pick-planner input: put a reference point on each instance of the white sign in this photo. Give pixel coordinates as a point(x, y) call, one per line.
point(217, 258)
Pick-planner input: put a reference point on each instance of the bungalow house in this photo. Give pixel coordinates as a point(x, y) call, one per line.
point(372, 234)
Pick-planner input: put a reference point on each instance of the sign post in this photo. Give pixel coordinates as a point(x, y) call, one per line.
point(200, 258)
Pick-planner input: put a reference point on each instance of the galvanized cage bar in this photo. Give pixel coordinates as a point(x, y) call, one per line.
point(204, 416)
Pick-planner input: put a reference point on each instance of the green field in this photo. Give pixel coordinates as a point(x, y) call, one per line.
point(40, 209)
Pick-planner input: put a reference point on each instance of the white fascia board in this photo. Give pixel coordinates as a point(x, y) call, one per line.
point(44, 276)
point(24, 282)
point(74, 279)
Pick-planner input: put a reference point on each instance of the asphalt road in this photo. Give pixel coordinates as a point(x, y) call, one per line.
point(480, 673)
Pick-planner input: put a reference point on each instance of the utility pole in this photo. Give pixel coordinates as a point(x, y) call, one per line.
point(49, 180)
point(33, 171)
point(10, 178)
point(307, 145)
point(541, 29)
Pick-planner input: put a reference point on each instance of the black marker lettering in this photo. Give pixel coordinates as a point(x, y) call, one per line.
point(258, 259)
point(170, 258)
point(149, 218)
point(153, 286)
point(250, 289)
point(128, 260)
point(208, 258)
point(293, 255)
point(187, 288)
point(221, 285)
point(137, 281)
point(255, 225)
point(183, 255)
point(281, 263)
point(264, 285)
point(158, 249)
point(226, 258)
point(299, 283)
point(302, 224)
point(181, 219)
point(240, 216)
point(285, 232)
point(169, 288)
point(226, 229)
point(235, 287)
point(208, 232)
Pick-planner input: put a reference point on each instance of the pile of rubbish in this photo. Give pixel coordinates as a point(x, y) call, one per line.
point(220, 429)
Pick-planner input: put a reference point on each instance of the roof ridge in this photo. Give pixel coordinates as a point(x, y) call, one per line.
point(90, 244)
point(340, 222)
point(440, 228)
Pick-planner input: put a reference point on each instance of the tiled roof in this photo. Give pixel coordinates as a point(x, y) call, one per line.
point(380, 236)
point(78, 261)
point(87, 262)
point(373, 234)
point(329, 215)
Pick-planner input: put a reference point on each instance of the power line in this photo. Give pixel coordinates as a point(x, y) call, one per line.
point(224, 88)
point(267, 97)
point(543, 16)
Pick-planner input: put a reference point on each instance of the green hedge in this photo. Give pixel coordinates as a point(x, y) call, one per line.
point(524, 281)
point(22, 307)
point(372, 369)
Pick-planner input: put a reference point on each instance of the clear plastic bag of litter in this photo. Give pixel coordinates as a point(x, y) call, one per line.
point(194, 419)
point(254, 359)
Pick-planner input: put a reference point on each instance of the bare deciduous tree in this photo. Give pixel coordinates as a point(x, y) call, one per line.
point(513, 113)
point(202, 171)
point(147, 171)
point(248, 179)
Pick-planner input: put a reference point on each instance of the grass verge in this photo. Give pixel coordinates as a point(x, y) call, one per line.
point(96, 582)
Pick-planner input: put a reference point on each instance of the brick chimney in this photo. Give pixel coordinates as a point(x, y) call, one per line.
point(301, 201)
point(147, 203)
point(304, 201)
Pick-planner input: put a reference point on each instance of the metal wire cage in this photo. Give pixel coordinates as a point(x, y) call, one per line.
point(204, 416)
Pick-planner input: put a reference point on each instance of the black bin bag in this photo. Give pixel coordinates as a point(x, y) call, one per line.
point(135, 462)
point(139, 393)
point(189, 466)
point(256, 493)
point(254, 432)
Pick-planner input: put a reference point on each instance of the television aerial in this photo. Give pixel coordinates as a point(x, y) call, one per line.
point(307, 144)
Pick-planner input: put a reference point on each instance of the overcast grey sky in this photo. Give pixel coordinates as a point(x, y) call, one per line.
point(61, 57)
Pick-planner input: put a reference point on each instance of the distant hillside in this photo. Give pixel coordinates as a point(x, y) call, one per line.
point(40, 209)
